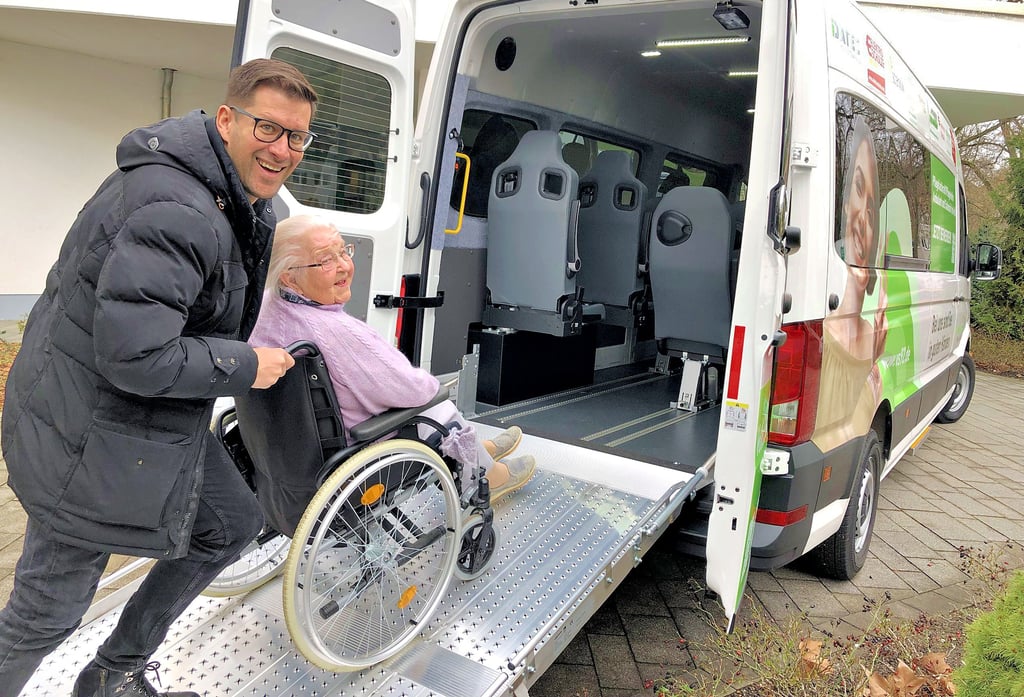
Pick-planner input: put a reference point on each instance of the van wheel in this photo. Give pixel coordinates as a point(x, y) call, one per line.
point(962, 393)
point(842, 555)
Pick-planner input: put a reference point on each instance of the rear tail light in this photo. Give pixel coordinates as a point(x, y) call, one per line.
point(401, 315)
point(781, 518)
point(795, 392)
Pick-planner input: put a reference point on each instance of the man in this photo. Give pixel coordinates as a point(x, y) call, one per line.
point(141, 326)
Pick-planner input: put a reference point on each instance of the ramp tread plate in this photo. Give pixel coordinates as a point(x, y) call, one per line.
point(556, 536)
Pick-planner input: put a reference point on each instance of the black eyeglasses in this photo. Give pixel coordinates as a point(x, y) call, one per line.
point(267, 131)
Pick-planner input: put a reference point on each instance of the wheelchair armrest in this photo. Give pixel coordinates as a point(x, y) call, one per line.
point(382, 424)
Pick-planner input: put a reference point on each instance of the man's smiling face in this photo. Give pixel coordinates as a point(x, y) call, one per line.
point(263, 167)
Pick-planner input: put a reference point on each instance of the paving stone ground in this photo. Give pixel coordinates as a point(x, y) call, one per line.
point(962, 488)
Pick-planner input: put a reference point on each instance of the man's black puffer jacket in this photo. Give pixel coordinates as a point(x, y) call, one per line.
point(141, 325)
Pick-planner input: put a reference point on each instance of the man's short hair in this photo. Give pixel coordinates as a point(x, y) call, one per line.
point(260, 72)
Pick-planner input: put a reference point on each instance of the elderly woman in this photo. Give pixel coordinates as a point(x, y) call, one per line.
point(308, 284)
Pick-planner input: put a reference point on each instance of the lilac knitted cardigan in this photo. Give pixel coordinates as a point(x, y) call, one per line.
point(369, 375)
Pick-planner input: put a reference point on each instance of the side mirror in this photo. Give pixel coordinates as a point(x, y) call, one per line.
point(989, 264)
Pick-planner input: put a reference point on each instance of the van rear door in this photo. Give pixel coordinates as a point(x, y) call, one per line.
point(359, 56)
point(757, 316)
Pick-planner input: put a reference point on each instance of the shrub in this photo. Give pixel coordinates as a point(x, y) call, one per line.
point(994, 653)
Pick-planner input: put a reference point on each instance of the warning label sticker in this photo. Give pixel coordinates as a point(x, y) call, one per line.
point(736, 415)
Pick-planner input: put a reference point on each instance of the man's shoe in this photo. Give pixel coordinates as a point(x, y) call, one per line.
point(502, 445)
point(520, 469)
point(97, 681)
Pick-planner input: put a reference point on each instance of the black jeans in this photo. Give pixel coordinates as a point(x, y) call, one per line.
point(54, 583)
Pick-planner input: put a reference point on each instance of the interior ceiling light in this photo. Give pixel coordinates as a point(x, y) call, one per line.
point(708, 41)
point(650, 54)
point(742, 73)
point(730, 17)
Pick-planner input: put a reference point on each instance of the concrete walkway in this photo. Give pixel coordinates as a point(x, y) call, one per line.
point(963, 488)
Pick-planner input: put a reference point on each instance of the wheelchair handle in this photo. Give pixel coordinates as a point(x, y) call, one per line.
point(309, 347)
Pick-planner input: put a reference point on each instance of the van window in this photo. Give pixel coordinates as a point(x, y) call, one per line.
point(678, 170)
point(345, 167)
point(580, 151)
point(895, 201)
point(489, 139)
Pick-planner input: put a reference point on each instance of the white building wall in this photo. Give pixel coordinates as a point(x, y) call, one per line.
point(67, 114)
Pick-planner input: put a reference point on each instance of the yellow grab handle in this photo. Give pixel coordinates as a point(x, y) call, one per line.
point(462, 201)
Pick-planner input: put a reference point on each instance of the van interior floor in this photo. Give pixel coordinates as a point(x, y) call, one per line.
point(626, 411)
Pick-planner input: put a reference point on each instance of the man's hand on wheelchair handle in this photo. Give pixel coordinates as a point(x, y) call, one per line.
point(272, 364)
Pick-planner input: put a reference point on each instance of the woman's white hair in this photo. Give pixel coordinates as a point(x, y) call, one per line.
point(289, 245)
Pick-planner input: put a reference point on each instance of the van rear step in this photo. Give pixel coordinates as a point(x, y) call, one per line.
point(566, 541)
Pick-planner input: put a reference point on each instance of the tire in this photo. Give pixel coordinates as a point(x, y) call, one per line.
point(962, 393)
point(262, 560)
point(373, 556)
point(843, 555)
point(476, 548)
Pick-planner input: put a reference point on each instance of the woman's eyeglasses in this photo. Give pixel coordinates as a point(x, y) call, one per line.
point(328, 262)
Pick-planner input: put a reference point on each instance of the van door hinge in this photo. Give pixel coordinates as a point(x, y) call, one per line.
point(803, 155)
point(414, 303)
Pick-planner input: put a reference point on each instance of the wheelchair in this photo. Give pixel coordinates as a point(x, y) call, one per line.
point(369, 533)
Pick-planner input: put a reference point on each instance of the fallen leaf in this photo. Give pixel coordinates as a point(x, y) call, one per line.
point(811, 661)
point(934, 663)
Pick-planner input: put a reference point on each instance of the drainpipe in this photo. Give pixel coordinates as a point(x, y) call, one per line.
point(165, 94)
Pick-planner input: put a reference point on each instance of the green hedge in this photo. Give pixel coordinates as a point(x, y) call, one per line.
point(994, 654)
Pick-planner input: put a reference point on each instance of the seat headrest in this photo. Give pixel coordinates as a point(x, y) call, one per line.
point(612, 164)
point(673, 180)
point(577, 156)
point(496, 136)
point(538, 146)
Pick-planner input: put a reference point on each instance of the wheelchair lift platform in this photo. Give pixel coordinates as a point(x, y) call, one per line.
point(565, 542)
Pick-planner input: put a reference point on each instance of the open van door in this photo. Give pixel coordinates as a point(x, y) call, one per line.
point(359, 56)
point(756, 321)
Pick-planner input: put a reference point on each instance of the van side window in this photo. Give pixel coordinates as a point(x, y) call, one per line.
point(679, 170)
point(345, 167)
point(580, 151)
point(489, 139)
point(895, 200)
point(964, 266)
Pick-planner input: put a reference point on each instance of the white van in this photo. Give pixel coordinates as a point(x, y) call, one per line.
point(712, 257)
point(673, 231)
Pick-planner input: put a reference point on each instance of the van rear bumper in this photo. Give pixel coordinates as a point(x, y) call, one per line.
point(774, 546)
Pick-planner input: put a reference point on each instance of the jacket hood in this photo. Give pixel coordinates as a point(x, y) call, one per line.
point(182, 143)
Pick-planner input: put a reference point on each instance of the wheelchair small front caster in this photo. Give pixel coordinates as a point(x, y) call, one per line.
point(479, 540)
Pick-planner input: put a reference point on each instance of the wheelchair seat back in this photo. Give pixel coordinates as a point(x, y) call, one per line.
point(289, 430)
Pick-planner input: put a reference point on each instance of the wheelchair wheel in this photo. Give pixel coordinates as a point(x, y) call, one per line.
point(262, 560)
point(479, 540)
point(372, 556)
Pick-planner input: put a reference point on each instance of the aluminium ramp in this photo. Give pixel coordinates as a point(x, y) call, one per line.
point(566, 541)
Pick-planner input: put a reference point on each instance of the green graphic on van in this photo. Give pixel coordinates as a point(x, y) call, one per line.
point(943, 217)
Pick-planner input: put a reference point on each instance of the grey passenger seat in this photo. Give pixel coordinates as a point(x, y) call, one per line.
point(612, 203)
point(691, 242)
point(532, 258)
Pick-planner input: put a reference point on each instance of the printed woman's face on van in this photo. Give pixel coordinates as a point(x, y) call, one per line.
point(862, 209)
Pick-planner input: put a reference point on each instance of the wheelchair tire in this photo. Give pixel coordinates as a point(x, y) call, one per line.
point(259, 562)
point(369, 564)
point(476, 548)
